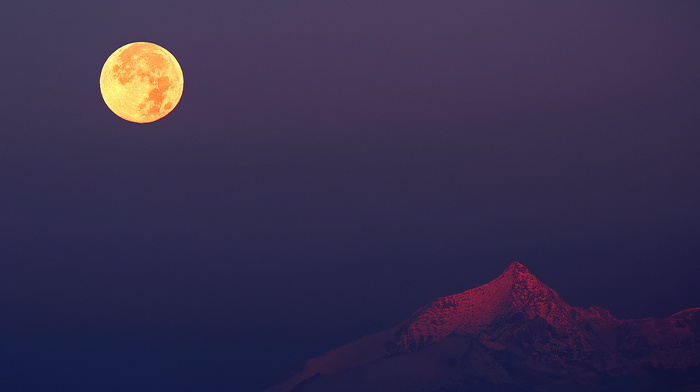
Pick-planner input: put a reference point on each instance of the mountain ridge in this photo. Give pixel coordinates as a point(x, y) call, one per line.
point(516, 290)
point(513, 333)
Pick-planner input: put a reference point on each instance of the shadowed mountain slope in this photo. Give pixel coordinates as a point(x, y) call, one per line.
point(513, 334)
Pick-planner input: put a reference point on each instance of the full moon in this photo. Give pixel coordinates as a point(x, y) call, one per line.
point(141, 82)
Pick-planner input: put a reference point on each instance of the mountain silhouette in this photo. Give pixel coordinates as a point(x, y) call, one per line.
point(513, 334)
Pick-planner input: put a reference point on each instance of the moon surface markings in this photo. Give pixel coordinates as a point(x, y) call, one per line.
point(141, 82)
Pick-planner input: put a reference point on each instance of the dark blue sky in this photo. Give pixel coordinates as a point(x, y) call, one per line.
point(332, 166)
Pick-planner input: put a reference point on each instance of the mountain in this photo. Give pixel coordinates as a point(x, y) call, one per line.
point(513, 334)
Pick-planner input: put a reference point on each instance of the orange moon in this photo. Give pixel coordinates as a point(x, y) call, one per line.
point(141, 82)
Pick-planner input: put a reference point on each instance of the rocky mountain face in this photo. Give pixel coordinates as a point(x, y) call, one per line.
point(513, 334)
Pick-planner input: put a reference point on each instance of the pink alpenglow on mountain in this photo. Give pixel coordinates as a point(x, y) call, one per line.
point(513, 334)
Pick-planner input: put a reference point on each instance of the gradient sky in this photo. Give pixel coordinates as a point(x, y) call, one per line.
point(332, 166)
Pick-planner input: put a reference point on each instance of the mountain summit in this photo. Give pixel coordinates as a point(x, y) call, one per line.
point(513, 334)
point(516, 294)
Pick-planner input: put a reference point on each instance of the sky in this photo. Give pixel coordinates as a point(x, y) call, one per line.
point(331, 167)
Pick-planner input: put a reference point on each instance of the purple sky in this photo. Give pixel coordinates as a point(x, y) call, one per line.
point(331, 167)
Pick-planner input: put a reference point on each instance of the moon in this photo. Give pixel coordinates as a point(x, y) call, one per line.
point(141, 82)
